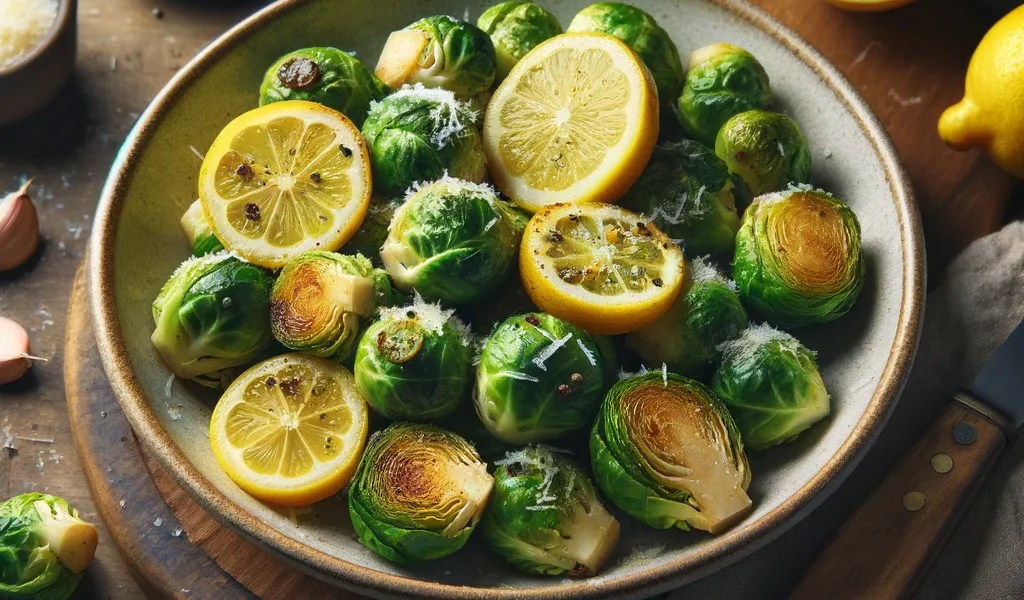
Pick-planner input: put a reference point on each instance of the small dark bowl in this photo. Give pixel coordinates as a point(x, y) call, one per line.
point(27, 85)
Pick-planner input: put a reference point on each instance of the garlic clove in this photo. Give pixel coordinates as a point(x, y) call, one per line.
point(19, 229)
point(15, 356)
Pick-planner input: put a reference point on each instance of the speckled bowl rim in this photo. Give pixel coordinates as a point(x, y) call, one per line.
point(715, 554)
point(66, 14)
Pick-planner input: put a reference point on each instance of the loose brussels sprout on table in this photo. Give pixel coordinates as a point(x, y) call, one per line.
point(198, 231)
point(772, 386)
point(418, 493)
point(766, 149)
point(798, 258)
point(539, 378)
point(544, 516)
point(415, 362)
point(642, 33)
point(665, 450)
point(44, 547)
point(690, 195)
point(439, 52)
point(516, 27)
point(212, 315)
point(419, 134)
point(321, 300)
point(326, 76)
point(453, 241)
point(723, 81)
point(707, 313)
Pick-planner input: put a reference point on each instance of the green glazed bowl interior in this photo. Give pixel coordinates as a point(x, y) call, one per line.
point(865, 356)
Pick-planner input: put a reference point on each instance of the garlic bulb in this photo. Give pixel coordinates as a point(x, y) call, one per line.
point(19, 229)
point(14, 351)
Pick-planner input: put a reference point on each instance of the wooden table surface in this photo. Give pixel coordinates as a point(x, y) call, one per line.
point(127, 53)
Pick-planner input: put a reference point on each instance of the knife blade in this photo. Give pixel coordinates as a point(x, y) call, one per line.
point(1000, 384)
point(891, 540)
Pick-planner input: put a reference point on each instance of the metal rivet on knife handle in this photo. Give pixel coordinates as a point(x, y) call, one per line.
point(965, 434)
point(914, 501)
point(942, 463)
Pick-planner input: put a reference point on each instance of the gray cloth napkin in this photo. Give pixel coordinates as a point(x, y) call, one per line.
point(977, 307)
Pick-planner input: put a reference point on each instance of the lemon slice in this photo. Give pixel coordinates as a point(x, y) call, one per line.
point(574, 121)
point(599, 266)
point(286, 178)
point(290, 430)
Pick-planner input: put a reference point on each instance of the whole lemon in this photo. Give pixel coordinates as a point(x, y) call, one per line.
point(991, 114)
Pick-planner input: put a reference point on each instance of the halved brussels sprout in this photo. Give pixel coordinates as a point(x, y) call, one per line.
point(419, 134)
point(544, 516)
point(327, 76)
point(321, 300)
point(211, 315)
point(798, 258)
point(539, 378)
point(516, 27)
point(665, 450)
point(723, 81)
point(418, 493)
point(690, 195)
point(439, 52)
point(453, 241)
point(768, 150)
point(772, 386)
point(373, 232)
point(415, 362)
point(44, 547)
point(707, 313)
point(642, 33)
point(199, 232)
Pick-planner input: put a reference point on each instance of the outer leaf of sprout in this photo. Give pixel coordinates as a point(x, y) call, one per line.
point(766, 149)
point(515, 28)
point(199, 232)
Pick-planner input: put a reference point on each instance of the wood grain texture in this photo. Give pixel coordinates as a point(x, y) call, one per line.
point(126, 55)
point(882, 551)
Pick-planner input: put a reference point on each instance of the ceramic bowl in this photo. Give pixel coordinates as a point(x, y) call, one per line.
point(864, 357)
point(27, 85)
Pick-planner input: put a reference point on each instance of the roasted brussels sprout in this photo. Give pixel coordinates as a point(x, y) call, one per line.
point(665, 450)
point(198, 231)
point(798, 258)
point(539, 378)
point(642, 33)
point(544, 516)
point(452, 240)
point(418, 493)
point(321, 300)
point(690, 195)
point(516, 27)
point(327, 76)
point(766, 149)
point(439, 52)
point(211, 315)
point(372, 232)
point(772, 386)
point(723, 81)
point(415, 362)
point(707, 313)
point(419, 134)
point(44, 547)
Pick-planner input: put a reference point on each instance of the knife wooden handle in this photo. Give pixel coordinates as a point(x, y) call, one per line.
point(883, 549)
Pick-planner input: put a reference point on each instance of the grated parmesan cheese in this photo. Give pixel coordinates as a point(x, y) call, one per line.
point(23, 25)
point(586, 352)
point(549, 351)
point(450, 115)
point(753, 339)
